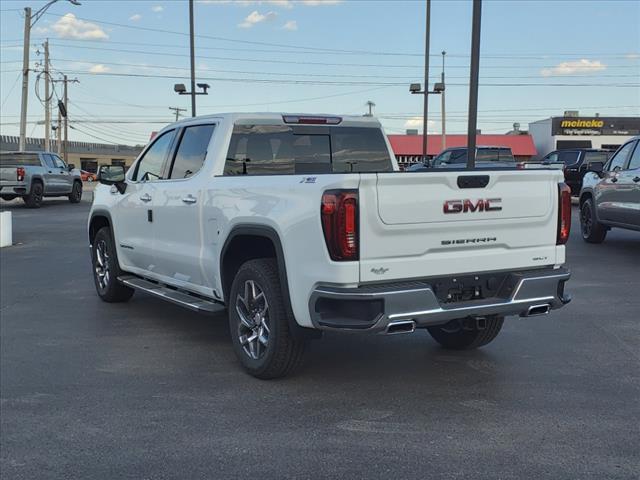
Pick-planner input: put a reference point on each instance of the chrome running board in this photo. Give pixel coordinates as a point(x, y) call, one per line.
point(178, 297)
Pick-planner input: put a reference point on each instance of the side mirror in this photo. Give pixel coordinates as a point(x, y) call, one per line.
point(112, 175)
point(71, 166)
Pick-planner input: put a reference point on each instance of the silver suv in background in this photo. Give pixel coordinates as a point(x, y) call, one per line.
point(610, 195)
point(486, 157)
point(35, 175)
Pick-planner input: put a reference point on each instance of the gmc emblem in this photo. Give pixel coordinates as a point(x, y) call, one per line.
point(467, 205)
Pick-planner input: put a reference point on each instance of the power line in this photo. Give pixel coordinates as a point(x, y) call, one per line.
point(302, 62)
point(345, 83)
point(298, 52)
point(332, 75)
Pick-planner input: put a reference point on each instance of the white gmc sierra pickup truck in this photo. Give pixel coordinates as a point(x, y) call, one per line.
point(297, 224)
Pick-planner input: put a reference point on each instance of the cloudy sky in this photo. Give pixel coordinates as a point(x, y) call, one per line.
point(322, 56)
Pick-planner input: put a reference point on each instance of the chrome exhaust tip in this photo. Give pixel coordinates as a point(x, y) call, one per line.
point(538, 310)
point(407, 326)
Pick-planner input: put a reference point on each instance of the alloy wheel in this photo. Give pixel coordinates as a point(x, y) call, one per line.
point(586, 222)
point(102, 264)
point(253, 329)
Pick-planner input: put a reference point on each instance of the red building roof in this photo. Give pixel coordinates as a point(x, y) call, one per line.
point(521, 145)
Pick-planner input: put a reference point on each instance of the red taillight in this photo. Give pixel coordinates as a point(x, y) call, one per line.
point(20, 173)
point(339, 213)
point(564, 213)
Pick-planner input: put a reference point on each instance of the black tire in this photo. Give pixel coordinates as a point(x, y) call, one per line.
point(76, 193)
point(34, 199)
point(8, 198)
point(277, 352)
point(103, 254)
point(592, 231)
point(465, 335)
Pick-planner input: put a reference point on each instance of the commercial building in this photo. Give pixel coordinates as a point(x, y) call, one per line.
point(85, 155)
point(408, 148)
point(574, 131)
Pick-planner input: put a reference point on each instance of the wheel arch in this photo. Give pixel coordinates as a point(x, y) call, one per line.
point(265, 242)
point(99, 219)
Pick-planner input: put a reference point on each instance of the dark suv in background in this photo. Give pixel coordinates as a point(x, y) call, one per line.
point(576, 163)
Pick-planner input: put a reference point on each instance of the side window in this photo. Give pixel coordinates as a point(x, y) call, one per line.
point(590, 157)
point(191, 151)
point(149, 167)
point(551, 158)
point(458, 156)
point(618, 161)
point(48, 160)
point(569, 158)
point(442, 158)
point(634, 163)
point(58, 161)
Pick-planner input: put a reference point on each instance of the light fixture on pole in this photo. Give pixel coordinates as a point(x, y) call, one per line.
point(442, 110)
point(29, 21)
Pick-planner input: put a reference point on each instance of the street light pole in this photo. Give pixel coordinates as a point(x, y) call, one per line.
point(444, 127)
point(473, 83)
point(425, 111)
point(193, 60)
point(25, 78)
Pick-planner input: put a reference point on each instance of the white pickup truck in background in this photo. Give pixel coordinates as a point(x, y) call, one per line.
point(298, 224)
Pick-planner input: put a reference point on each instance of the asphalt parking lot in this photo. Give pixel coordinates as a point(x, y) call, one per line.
point(148, 390)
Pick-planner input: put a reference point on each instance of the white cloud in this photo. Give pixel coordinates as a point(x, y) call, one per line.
point(157, 8)
point(290, 25)
point(71, 27)
point(577, 66)
point(416, 122)
point(256, 17)
point(632, 56)
point(99, 68)
point(135, 17)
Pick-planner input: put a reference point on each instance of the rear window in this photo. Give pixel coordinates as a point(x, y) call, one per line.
point(19, 159)
point(286, 150)
point(494, 155)
point(590, 157)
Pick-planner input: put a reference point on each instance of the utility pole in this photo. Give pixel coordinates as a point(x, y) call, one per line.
point(444, 128)
point(47, 100)
point(473, 83)
point(66, 118)
point(193, 60)
point(177, 110)
point(425, 112)
point(29, 21)
point(25, 78)
point(370, 104)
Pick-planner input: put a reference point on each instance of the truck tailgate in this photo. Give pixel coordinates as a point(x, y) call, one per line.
point(8, 174)
point(416, 225)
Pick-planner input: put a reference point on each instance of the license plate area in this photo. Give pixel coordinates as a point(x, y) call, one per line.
point(465, 288)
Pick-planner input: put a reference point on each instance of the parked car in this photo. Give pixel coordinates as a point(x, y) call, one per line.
point(610, 195)
point(486, 157)
point(301, 224)
point(88, 176)
point(575, 163)
point(35, 175)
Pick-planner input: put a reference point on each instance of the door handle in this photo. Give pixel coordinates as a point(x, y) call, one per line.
point(146, 197)
point(614, 179)
point(636, 179)
point(190, 199)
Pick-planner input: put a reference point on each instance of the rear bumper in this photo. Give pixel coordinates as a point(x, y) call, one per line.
point(376, 307)
point(13, 189)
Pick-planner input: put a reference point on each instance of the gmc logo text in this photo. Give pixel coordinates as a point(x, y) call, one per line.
point(467, 205)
